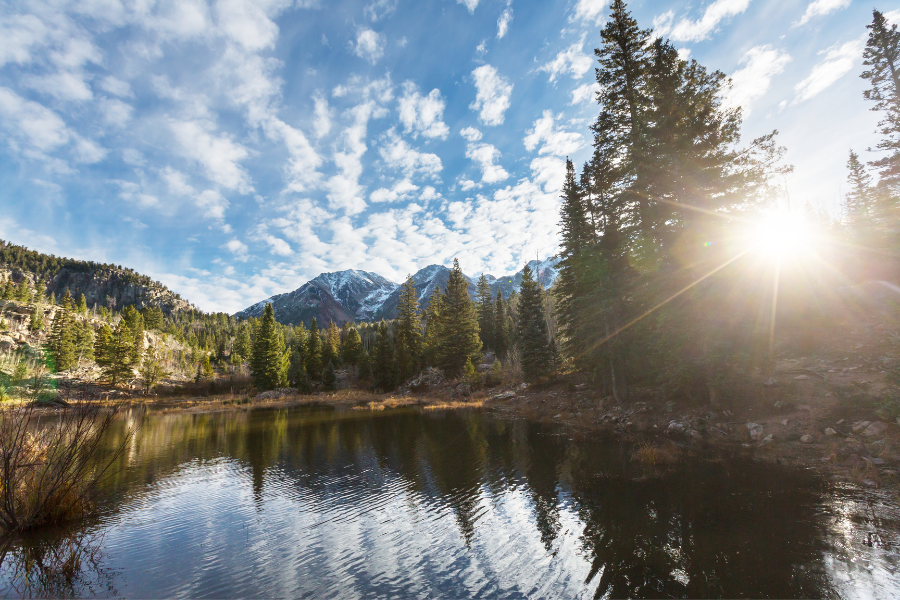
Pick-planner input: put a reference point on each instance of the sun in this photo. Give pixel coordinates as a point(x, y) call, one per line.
point(781, 235)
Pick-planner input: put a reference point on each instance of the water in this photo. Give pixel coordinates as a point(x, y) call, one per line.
point(345, 504)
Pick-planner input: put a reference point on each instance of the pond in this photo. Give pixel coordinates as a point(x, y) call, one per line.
point(323, 503)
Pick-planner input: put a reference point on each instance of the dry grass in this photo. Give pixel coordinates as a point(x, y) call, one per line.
point(650, 455)
point(50, 470)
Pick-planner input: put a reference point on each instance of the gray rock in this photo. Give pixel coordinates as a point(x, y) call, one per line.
point(807, 439)
point(785, 422)
point(675, 427)
point(801, 377)
point(767, 440)
point(876, 428)
point(756, 431)
point(877, 461)
point(463, 389)
point(505, 395)
point(770, 382)
point(859, 426)
point(830, 432)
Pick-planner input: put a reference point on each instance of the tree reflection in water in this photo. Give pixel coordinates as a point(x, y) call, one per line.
point(697, 529)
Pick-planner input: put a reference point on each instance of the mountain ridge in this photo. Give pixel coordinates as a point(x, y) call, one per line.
point(355, 295)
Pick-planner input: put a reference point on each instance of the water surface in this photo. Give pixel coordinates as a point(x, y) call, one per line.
point(345, 504)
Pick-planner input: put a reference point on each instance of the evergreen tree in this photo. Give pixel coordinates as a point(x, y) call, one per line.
point(332, 344)
point(365, 367)
point(858, 202)
point(84, 341)
point(314, 352)
point(9, 290)
point(459, 339)
point(352, 349)
point(242, 344)
point(882, 57)
point(63, 336)
point(268, 366)
point(208, 373)
point(102, 347)
point(36, 321)
point(501, 341)
point(81, 307)
point(434, 327)
point(152, 370)
point(408, 329)
point(329, 378)
point(384, 367)
point(23, 292)
point(484, 308)
point(532, 340)
point(119, 355)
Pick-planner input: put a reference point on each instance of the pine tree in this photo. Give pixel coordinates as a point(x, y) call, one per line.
point(36, 321)
point(858, 202)
point(408, 332)
point(81, 307)
point(533, 342)
point(314, 352)
point(102, 347)
point(384, 367)
point(882, 56)
point(365, 367)
point(434, 327)
point(329, 379)
point(208, 373)
point(501, 341)
point(9, 291)
point(23, 292)
point(484, 308)
point(152, 370)
point(84, 341)
point(62, 336)
point(333, 344)
point(242, 343)
point(268, 359)
point(459, 339)
point(352, 349)
point(119, 354)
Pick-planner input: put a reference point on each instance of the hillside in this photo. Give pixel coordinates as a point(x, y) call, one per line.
point(353, 295)
point(102, 284)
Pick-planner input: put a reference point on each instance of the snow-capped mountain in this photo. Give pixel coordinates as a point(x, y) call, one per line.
point(354, 295)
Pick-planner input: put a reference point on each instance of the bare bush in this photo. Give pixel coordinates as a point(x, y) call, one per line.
point(50, 471)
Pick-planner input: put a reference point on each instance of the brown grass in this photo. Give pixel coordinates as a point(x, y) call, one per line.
point(650, 455)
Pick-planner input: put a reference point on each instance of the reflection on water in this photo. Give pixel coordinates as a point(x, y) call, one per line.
point(318, 503)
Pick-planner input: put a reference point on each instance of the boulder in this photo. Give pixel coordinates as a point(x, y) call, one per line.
point(675, 427)
point(876, 428)
point(504, 395)
point(807, 439)
point(801, 377)
point(756, 431)
point(462, 390)
point(829, 431)
point(767, 440)
point(859, 426)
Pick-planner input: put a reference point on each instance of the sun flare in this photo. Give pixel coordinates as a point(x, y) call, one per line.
point(782, 235)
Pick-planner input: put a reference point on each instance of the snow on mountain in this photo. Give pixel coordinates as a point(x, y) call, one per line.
point(354, 295)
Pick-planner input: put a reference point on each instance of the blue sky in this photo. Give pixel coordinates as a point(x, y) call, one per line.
point(235, 149)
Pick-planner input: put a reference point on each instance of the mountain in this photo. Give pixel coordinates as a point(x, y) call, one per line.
point(102, 284)
point(363, 296)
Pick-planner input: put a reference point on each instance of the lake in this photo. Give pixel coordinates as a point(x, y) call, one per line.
point(324, 503)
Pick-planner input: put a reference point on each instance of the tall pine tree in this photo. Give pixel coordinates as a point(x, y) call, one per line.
point(408, 329)
point(268, 359)
point(314, 352)
point(459, 339)
point(484, 307)
point(535, 352)
point(384, 368)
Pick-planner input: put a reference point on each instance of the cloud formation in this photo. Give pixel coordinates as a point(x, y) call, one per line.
point(752, 81)
point(572, 60)
point(839, 60)
point(687, 30)
point(492, 97)
point(369, 45)
point(422, 114)
point(819, 8)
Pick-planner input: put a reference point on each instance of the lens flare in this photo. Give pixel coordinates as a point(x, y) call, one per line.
point(782, 235)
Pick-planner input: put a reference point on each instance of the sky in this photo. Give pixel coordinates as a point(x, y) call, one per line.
point(235, 149)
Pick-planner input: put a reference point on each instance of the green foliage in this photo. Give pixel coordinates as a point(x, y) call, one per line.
point(81, 306)
point(269, 359)
point(484, 308)
point(458, 338)
point(535, 353)
point(408, 331)
point(36, 321)
point(365, 367)
point(434, 327)
point(329, 379)
point(84, 341)
point(352, 349)
point(384, 368)
point(118, 355)
point(314, 352)
point(208, 372)
point(501, 339)
point(152, 370)
point(470, 375)
point(331, 347)
point(63, 337)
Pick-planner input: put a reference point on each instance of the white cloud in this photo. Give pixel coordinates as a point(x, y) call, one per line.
point(492, 97)
point(115, 112)
point(379, 9)
point(19, 34)
point(470, 134)
point(555, 142)
point(219, 155)
point(571, 60)
point(176, 181)
point(549, 171)
point(37, 124)
point(590, 10)
point(585, 93)
point(247, 23)
point(238, 248)
point(64, 86)
point(686, 30)
point(503, 22)
point(838, 62)
point(369, 45)
point(277, 245)
point(422, 114)
point(819, 8)
point(484, 156)
point(402, 190)
point(322, 124)
point(301, 169)
point(212, 203)
point(470, 4)
point(116, 87)
point(397, 154)
point(752, 81)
